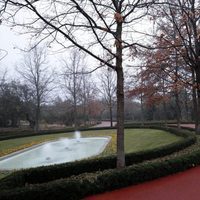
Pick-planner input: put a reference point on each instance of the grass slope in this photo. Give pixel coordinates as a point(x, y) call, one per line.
point(145, 139)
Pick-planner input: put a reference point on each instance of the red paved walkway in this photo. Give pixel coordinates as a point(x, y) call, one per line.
point(181, 186)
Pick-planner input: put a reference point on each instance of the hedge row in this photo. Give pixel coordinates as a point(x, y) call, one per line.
point(77, 187)
point(50, 173)
point(28, 133)
point(160, 122)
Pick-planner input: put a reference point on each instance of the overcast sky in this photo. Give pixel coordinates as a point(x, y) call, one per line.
point(9, 40)
point(12, 42)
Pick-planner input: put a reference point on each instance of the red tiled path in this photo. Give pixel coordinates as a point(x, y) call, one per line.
point(181, 186)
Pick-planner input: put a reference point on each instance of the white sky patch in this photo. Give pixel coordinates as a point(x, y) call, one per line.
point(10, 41)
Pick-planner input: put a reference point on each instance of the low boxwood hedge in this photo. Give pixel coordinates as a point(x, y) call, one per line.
point(50, 173)
point(77, 187)
point(28, 133)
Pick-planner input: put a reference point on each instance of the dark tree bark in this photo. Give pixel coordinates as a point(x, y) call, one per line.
point(120, 97)
point(177, 99)
point(120, 119)
point(194, 100)
point(198, 99)
point(111, 115)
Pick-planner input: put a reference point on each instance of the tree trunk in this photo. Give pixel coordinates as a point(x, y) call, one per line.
point(142, 110)
point(164, 103)
point(198, 99)
point(165, 112)
point(198, 112)
point(111, 118)
point(177, 100)
point(120, 98)
point(194, 99)
point(37, 119)
point(75, 105)
point(84, 113)
point(186, 105)
point(75, 116)
point(31, 121)
point(178, 110)
point(120, 119)
point(75, 97)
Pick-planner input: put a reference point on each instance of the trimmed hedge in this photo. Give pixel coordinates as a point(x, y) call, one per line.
point(77, 187)
point(28, 133)
point(50, 173)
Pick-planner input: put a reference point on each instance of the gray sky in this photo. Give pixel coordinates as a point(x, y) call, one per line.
point(9, 40)
point(12, 42)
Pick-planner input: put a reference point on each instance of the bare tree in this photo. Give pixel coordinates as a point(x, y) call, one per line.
point(34, 71)
point(93, 27)
point(108, 89)
point(72, 79)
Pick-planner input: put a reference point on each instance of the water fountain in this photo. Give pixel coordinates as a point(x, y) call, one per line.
point(55, 152)
point(77, 135)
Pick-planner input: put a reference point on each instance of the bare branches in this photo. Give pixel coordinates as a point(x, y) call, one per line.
point(3, 54)
point(94, 17)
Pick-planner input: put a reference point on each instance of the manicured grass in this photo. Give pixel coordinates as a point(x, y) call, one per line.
point(135, 140)
point(145, 139)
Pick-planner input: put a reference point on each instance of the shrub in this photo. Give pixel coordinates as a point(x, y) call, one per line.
point(28, 133)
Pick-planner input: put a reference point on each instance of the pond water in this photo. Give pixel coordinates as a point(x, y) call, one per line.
point(55, 152)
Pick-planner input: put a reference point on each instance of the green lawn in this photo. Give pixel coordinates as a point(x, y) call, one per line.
point(143, 139)
point(135, 140)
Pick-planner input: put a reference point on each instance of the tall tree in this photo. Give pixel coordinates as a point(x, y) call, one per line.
point(184, 36)
point(34, 71)
point(72, 78)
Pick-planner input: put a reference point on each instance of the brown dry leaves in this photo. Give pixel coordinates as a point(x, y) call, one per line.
point(118, 17)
